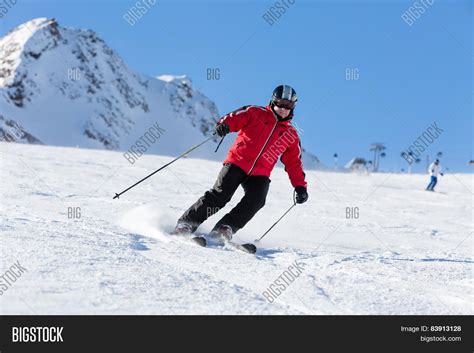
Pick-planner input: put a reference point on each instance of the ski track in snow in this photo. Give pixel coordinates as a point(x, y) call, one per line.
point(409, 252)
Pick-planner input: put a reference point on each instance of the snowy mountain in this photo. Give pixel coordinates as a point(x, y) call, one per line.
point(67, 87)
point(405, 251)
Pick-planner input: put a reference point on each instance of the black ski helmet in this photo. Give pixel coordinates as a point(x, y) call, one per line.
point(284, 94)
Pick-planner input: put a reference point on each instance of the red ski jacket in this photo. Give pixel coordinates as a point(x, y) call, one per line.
point(261, 140)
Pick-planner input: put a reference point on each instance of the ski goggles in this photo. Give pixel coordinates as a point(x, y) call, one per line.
point(284, 103)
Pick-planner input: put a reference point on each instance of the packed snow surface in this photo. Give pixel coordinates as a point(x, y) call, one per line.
point(365, 244)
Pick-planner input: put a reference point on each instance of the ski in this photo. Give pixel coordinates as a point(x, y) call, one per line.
point(230, 245)
point(195, 239)
point(247, 247)
point(201, 241)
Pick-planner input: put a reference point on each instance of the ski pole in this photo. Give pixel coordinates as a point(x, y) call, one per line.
point(279, 219)
point(219, 145)
point(167, 164)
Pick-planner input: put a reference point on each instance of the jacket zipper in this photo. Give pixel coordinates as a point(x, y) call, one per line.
point(264, 145)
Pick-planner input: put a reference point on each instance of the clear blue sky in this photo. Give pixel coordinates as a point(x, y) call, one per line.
point(409, 76)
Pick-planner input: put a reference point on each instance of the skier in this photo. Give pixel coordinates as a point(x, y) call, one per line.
point(434, 169)
point(264, 134)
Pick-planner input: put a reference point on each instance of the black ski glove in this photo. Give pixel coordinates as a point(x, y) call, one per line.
point(222, 129)
point(301, 194)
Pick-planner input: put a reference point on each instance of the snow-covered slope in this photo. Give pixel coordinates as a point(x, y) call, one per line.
point(408, 252)
point(67, 87)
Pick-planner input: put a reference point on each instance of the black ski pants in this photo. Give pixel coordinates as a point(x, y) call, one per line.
point(228, 180)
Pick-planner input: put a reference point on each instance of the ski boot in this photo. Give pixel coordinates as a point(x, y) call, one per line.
point(183, 228)
point(186, 230)
point(221, 234)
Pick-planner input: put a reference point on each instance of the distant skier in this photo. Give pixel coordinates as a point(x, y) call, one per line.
point(265, 133)
point(434, 169)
